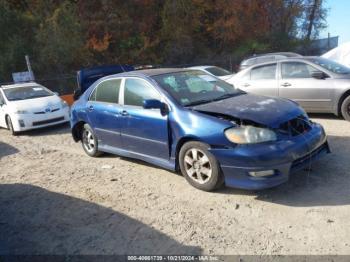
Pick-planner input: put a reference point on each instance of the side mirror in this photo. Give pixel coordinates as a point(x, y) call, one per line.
point(77, 93)
point(155, 104)
point(152, 103)
point(319, 75)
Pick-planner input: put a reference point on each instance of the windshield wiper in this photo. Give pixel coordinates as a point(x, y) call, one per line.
point(224, 96)
point(199, 102)
point(204, 101)
point(30, 97)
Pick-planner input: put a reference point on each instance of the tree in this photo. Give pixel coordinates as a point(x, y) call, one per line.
point(60, 42)
point(314, 18)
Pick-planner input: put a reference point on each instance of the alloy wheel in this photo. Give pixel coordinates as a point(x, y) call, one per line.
point(88, 140)
point(197, 166)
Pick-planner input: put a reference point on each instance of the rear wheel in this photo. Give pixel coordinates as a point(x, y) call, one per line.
point(10, 126)
point(345, 108)
point(200, 167)
point(89, 141)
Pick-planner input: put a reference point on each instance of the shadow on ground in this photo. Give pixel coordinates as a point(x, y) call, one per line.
point(325, 116)
point(6, 150)
point(50, 130)
point(36, 221)
point(327, 184)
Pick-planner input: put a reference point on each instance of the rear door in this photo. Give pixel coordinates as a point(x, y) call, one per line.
point(145, 131)
point(104, 112)
point(260, 80)
point(296, 83)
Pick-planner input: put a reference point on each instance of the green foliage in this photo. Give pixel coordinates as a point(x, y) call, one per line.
point(16, 40)
point(60, 42)
point(62, 36)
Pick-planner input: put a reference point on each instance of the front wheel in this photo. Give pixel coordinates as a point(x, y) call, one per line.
point(10, 125)
point(89, 141)
point(345, 108)
point(200, 167)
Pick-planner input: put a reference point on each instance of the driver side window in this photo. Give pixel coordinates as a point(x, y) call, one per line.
point(138, 90)
point(293, 70)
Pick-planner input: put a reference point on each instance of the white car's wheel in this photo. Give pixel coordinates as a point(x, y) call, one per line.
point(10, 125)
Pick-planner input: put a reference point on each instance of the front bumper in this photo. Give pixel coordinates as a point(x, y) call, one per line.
point(283, 156)
point(23, 122)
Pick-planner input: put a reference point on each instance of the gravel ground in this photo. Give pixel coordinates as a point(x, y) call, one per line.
point(56, 200)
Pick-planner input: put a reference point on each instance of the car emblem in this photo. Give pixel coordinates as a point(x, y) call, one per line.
point(47, 110)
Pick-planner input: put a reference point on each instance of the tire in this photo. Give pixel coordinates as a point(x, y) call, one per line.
point(10, 126)
point(89, 141)
point(345, 108)
point(200, 167)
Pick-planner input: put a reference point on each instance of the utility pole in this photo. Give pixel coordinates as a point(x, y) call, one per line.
point(29, 68)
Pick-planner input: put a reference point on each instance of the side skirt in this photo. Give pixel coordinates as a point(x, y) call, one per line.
point(167, 164)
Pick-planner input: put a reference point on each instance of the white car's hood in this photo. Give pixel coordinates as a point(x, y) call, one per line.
point(41, 104)
point(226, 77)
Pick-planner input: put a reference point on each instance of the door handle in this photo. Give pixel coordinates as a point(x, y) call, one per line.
point(124, 113)
point(286, 84)
point(246, 85)
point(90, 108)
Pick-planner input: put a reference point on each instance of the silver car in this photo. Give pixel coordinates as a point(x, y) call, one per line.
point(319, 85)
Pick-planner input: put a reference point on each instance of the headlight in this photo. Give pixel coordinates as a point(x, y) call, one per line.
point(64, 104)
point(20, 112)
point(249, 135)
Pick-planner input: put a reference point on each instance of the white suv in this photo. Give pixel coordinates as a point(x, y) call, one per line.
point(30, 105)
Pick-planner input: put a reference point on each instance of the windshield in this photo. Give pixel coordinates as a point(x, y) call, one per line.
point(195, 87)
point(26, 92)
point(218, 71)
point(331, 65)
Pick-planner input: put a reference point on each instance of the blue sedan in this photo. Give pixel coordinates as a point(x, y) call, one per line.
point(188, 121)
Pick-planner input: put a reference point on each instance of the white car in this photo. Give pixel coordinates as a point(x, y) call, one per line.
point(219, 72)
point(30, 105)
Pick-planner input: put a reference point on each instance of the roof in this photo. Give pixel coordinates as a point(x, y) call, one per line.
point(19, 85)
point(287, 54)
point(200, 67)
point(153, 72)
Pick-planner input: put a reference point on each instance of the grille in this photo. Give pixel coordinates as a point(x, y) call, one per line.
point(296, 126)
point(53, 120)
point(43, 112)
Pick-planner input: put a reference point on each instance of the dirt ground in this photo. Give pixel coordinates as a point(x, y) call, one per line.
point(56, 200)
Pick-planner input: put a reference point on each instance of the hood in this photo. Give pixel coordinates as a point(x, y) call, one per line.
point(37, 104)
point(267, 111)
point(226, 77)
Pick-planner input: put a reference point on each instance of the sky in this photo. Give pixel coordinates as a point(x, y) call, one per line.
point(338, 20)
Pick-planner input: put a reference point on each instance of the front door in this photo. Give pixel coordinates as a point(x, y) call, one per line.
point(296, 83)
point(104, 112)
point(145, 131)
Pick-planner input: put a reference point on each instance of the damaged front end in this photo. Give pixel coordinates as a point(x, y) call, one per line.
point(299, 143)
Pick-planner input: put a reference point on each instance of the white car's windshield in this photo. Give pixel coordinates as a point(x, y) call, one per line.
point(26, 92)
point(195, 87)
point(331, 65)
